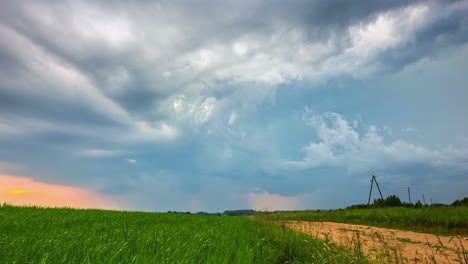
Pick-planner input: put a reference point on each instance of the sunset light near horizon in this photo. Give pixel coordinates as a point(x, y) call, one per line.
point(25, 191)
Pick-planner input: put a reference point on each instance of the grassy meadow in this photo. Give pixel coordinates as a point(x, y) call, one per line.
point(439, 220)
point(61, 235)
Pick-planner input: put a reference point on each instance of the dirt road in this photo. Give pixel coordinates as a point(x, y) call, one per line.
point(387, 245)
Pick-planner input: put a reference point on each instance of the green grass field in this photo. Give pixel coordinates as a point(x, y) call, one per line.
point(439, 220)
point(48, 235)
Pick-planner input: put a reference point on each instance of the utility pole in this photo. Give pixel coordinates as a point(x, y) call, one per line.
point(409, 195)
point(378, 188)
point(370, 193)
point(424, 199)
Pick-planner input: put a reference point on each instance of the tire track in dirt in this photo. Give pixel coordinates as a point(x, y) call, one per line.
point(388, 245)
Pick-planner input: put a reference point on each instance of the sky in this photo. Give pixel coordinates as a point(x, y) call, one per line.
point(220, 105)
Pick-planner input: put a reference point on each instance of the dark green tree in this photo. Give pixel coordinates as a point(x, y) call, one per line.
point(418, 204)
point(390, 201)
point(463, 202)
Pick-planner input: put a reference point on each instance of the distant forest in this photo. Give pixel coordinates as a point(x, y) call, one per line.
point(390, 201)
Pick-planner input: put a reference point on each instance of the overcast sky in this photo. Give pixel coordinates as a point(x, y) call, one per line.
point(215, 105)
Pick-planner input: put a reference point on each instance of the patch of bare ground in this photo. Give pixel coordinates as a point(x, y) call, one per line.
point(383, 245)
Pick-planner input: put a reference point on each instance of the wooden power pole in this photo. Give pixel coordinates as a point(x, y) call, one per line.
point(409, 195)
point(378, 188)
point(370, 193)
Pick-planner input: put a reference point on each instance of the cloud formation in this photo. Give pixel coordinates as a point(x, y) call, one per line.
point(341, 145)
point(183, 68)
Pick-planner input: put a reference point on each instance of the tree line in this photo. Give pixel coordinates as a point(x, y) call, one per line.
point(394, 201)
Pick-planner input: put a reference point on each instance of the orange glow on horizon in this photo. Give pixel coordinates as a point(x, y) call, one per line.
point(25, 191)
point(18, 192)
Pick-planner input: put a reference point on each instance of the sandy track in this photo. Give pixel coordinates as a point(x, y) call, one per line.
point(387, 245)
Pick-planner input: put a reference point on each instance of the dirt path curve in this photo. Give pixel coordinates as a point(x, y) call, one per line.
point(387, 245)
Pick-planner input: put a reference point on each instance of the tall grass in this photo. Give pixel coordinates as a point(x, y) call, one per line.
point(52, 235)
point(441, 220)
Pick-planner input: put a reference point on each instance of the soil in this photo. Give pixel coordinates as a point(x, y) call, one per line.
point(387, 245)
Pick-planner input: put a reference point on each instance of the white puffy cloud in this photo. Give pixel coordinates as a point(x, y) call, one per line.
point(389, 30)
point(341, 145)
point(192, 109)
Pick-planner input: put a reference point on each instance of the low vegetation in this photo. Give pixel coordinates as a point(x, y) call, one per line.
point(439, 220)
point(53, 235)
point(65, 235)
